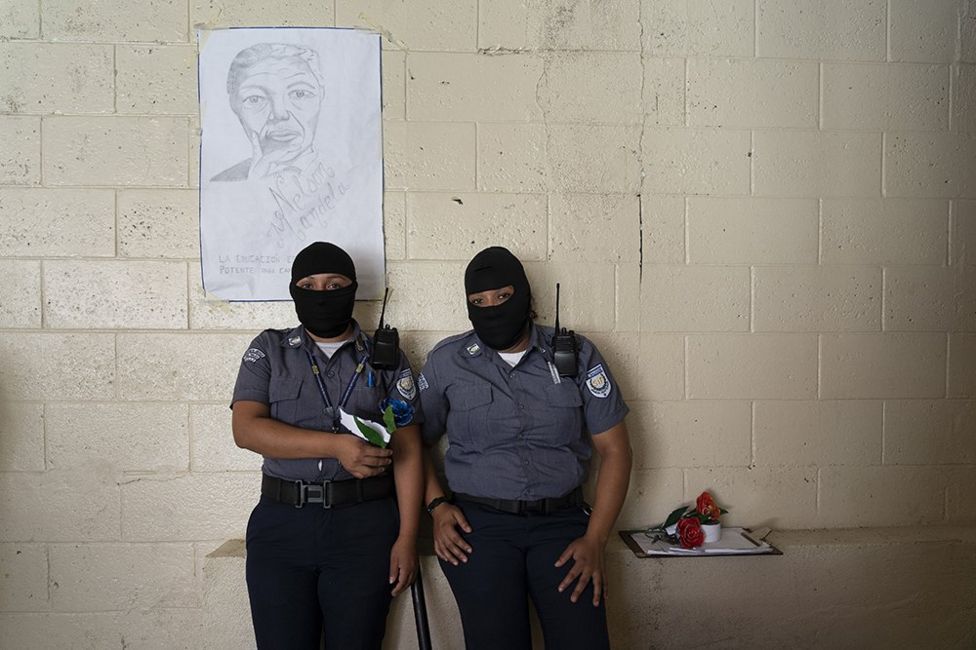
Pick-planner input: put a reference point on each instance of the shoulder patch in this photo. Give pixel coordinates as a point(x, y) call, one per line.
point(253, 354)
point(422, 382)
point(449, 340)
point(405, 385)
point(597, 381)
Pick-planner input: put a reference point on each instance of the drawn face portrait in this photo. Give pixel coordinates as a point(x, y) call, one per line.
point(278, 102)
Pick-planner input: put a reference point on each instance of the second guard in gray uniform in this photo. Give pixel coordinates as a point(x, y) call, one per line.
point(520, 438)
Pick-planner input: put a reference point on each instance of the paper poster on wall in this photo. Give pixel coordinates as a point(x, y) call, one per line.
point(291, 153)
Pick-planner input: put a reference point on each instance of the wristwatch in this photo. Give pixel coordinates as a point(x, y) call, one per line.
point(436, 501)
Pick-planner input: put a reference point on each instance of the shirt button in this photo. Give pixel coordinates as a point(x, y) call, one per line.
point(521, 407)
point(331, 373)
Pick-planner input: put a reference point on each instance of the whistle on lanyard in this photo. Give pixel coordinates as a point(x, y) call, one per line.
point(565, 347)
point(385, 354)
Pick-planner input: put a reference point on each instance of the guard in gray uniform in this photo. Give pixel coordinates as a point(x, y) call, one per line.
point(520, 437)
point(327, 545)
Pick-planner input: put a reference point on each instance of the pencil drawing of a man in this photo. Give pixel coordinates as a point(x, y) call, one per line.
point(276, 91)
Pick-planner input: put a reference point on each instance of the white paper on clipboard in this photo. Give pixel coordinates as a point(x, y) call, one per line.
point(732, 542)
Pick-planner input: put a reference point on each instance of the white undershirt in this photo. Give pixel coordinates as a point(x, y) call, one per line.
point(512, 358)
point(328, 349)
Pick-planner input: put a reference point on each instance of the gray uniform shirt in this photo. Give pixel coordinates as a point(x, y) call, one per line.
point(516, 433)
point(275, 370)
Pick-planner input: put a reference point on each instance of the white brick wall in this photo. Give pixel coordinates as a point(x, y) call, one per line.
point(763, 211)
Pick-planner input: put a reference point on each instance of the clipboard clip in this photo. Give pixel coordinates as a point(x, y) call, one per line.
point(757, 536)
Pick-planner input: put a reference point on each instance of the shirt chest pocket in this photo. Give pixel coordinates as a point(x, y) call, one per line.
point(564, 412)
point(467, 420)
point(283, 395)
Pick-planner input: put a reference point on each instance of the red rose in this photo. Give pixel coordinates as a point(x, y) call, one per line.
point(706, 506)
point(690, 532)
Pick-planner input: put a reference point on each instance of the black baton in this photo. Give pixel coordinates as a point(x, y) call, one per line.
point(420, 612)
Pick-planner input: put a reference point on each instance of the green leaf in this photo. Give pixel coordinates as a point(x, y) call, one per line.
point(674, 517)
point(373, 437)
point(389, 420)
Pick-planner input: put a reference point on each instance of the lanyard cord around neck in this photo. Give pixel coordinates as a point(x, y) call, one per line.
point(325, 394)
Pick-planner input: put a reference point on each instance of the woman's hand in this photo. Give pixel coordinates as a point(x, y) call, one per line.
point(360, 458)
point(587, 555)
point(403, 564)
point(448, 543)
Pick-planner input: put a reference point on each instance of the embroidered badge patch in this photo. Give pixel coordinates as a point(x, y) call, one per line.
point(422, 382)
point(253, 354)
point(598, 382)
point(405, 385)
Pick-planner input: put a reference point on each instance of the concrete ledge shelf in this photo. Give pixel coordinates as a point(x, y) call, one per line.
point(868, 587)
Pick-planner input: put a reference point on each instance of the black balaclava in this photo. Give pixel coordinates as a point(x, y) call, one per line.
point(500, 326)
point(323, 313)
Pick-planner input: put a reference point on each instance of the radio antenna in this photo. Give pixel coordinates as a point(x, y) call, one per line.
point(386, 294)
point(557, 308)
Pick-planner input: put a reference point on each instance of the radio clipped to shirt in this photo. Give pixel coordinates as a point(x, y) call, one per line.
point(386, 343)
point(565, 347)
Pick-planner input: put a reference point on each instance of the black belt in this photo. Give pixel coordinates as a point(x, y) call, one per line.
point(328, 493)
point(537, 507)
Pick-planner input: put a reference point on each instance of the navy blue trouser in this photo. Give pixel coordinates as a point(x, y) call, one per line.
point(312, 570)
point(512, 557)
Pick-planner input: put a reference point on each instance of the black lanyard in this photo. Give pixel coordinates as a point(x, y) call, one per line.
point(345, 395)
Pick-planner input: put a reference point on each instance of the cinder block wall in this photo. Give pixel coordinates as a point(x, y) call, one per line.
point(763, 211)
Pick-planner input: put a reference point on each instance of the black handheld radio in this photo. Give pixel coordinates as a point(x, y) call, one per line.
point(565, 348)
point(386, 343)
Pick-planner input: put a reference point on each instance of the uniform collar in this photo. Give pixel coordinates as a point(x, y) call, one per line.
point(473, 346)
point(297, 337)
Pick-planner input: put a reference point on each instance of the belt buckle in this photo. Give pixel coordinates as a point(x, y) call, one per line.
point(537, 507)
point(313, 493)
